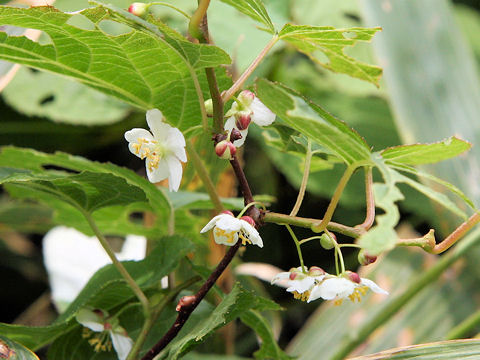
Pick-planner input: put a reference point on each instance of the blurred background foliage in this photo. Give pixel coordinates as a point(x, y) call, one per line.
point(430, 52)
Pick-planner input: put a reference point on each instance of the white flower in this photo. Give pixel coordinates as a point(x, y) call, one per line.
point(347, 285)
point(163, 149)
point(71, 258)
point(297, 282)
point(245, 109)
point(99, 322)
point(228, 229)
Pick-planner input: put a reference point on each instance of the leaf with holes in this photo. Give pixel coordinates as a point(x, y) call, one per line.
point(10, 350)
point(331, 42)
point(148, 67)
point(314, 122)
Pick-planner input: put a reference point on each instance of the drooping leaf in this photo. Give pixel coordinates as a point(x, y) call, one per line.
point(269, 348)
point(255, 9)
point(10, 350)
point(35, 161)
point(331, 41)
point(453, 349)
point(32, 337)
point(312, 121)
point(147, 67)
point(61, 100)
point(418, 154)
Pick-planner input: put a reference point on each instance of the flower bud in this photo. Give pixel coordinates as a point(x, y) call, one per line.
point(249, 220)
point(327, 241)
point(246, 97)
point(225, 149)
point(185, 301)
point(139, 9)
point(366, 259)
point(209, 107)
point(242, 120)
point(235, 135)
point(227, 212)
point(316, 271)
point(353, 276)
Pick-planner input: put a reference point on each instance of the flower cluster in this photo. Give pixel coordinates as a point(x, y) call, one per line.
point(227, 230)
point(316, 283)
point(163, 149)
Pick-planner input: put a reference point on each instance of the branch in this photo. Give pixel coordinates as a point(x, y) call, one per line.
point(370, 200)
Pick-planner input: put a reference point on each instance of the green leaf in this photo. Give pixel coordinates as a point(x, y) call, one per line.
point(195, 200)
point(148, 67)
point(331, 42)
point(107, 288)
point(418, 154)
point(269, 348)
point(10, 350)
point(87, 191)
point(61, 100)
point(255, 9)
point(232, 306)
point(32, 337)
point(453, 349)
point(67, 215)
point(312, 121)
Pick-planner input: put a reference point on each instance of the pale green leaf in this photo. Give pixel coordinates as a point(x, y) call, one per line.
point(254, 9)
point(312, 121)
point(331, 42)
point(446, 350)
point(11, 350)
point(61, 100)
point(148, 67)
point(418, 154)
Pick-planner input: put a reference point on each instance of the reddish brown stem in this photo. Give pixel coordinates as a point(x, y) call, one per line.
point(370, 200)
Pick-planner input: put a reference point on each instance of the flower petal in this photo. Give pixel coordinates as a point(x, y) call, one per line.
point(175, 170)
point(229, 223)
point(262, 115)
point(137, 133)
point(161, 172)
point(211, 223)
point(280, 277)
point(331, 288)
point(374, 287)
point(301, 285)
point(229, 125)
point(90, 319)
point(157, 126)
point(122, 344)
point(253, 234)
point(175, 138)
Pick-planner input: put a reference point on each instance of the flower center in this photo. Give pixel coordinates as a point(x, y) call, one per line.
point(301, 296)
point(357, 293)
point(245, 238)
point(150, 149)
point(99, 341)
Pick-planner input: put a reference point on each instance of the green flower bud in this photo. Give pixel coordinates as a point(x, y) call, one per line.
point(327, 242)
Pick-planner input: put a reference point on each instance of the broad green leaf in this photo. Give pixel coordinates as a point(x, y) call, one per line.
point(195, 200)
point(32, 337)
point(418, 154)
point(10, 350)
point(25, 217)
point(311, 120)
point(61, 100)
point(331, 42)
point(453, 349)
point(200, 356)
point(255, 9)
point(35, 161)
point(148, 67)
point(107, 288)
point(269, 348)
point(87, 191)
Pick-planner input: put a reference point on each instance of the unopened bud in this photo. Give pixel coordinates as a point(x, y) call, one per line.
point(185, 302)
point(227, 212)
point(249, 220)
point(353, 276)
point(242, 120)
point(366, 259)
point(327, 241)
point(316, 271)
point(209, 107)
point(246, 97)
point(225, 149)
point(235, 135)
point(139, 9)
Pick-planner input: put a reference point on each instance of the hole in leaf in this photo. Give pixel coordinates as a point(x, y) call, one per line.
point(33, 71)
point(350, 34)
point(114, 28)
point(82, 22)
point(135, 217)
point(59, 168)
point(352, 16)
point(46, 100)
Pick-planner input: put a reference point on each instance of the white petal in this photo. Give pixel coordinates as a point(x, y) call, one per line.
point(160, 173)
point(133, 248)
point(280, 277)
point(211, 223)
point(301, 285)
point(374, 287)
point(331, 288)
point(90, 320)
point(158, 127)
point(262, 115)
point(180, 153)
point(229, 223)
point(175, 138)
point(229, 125)
point(122, 344)
point(228, 239)
point(253, 234)
point(136, 133)
point(176, 170)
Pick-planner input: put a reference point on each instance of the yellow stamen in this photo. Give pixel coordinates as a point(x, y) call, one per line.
point(301, 296)
point(338, 302)
point(245, 239)
point(229, 235)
